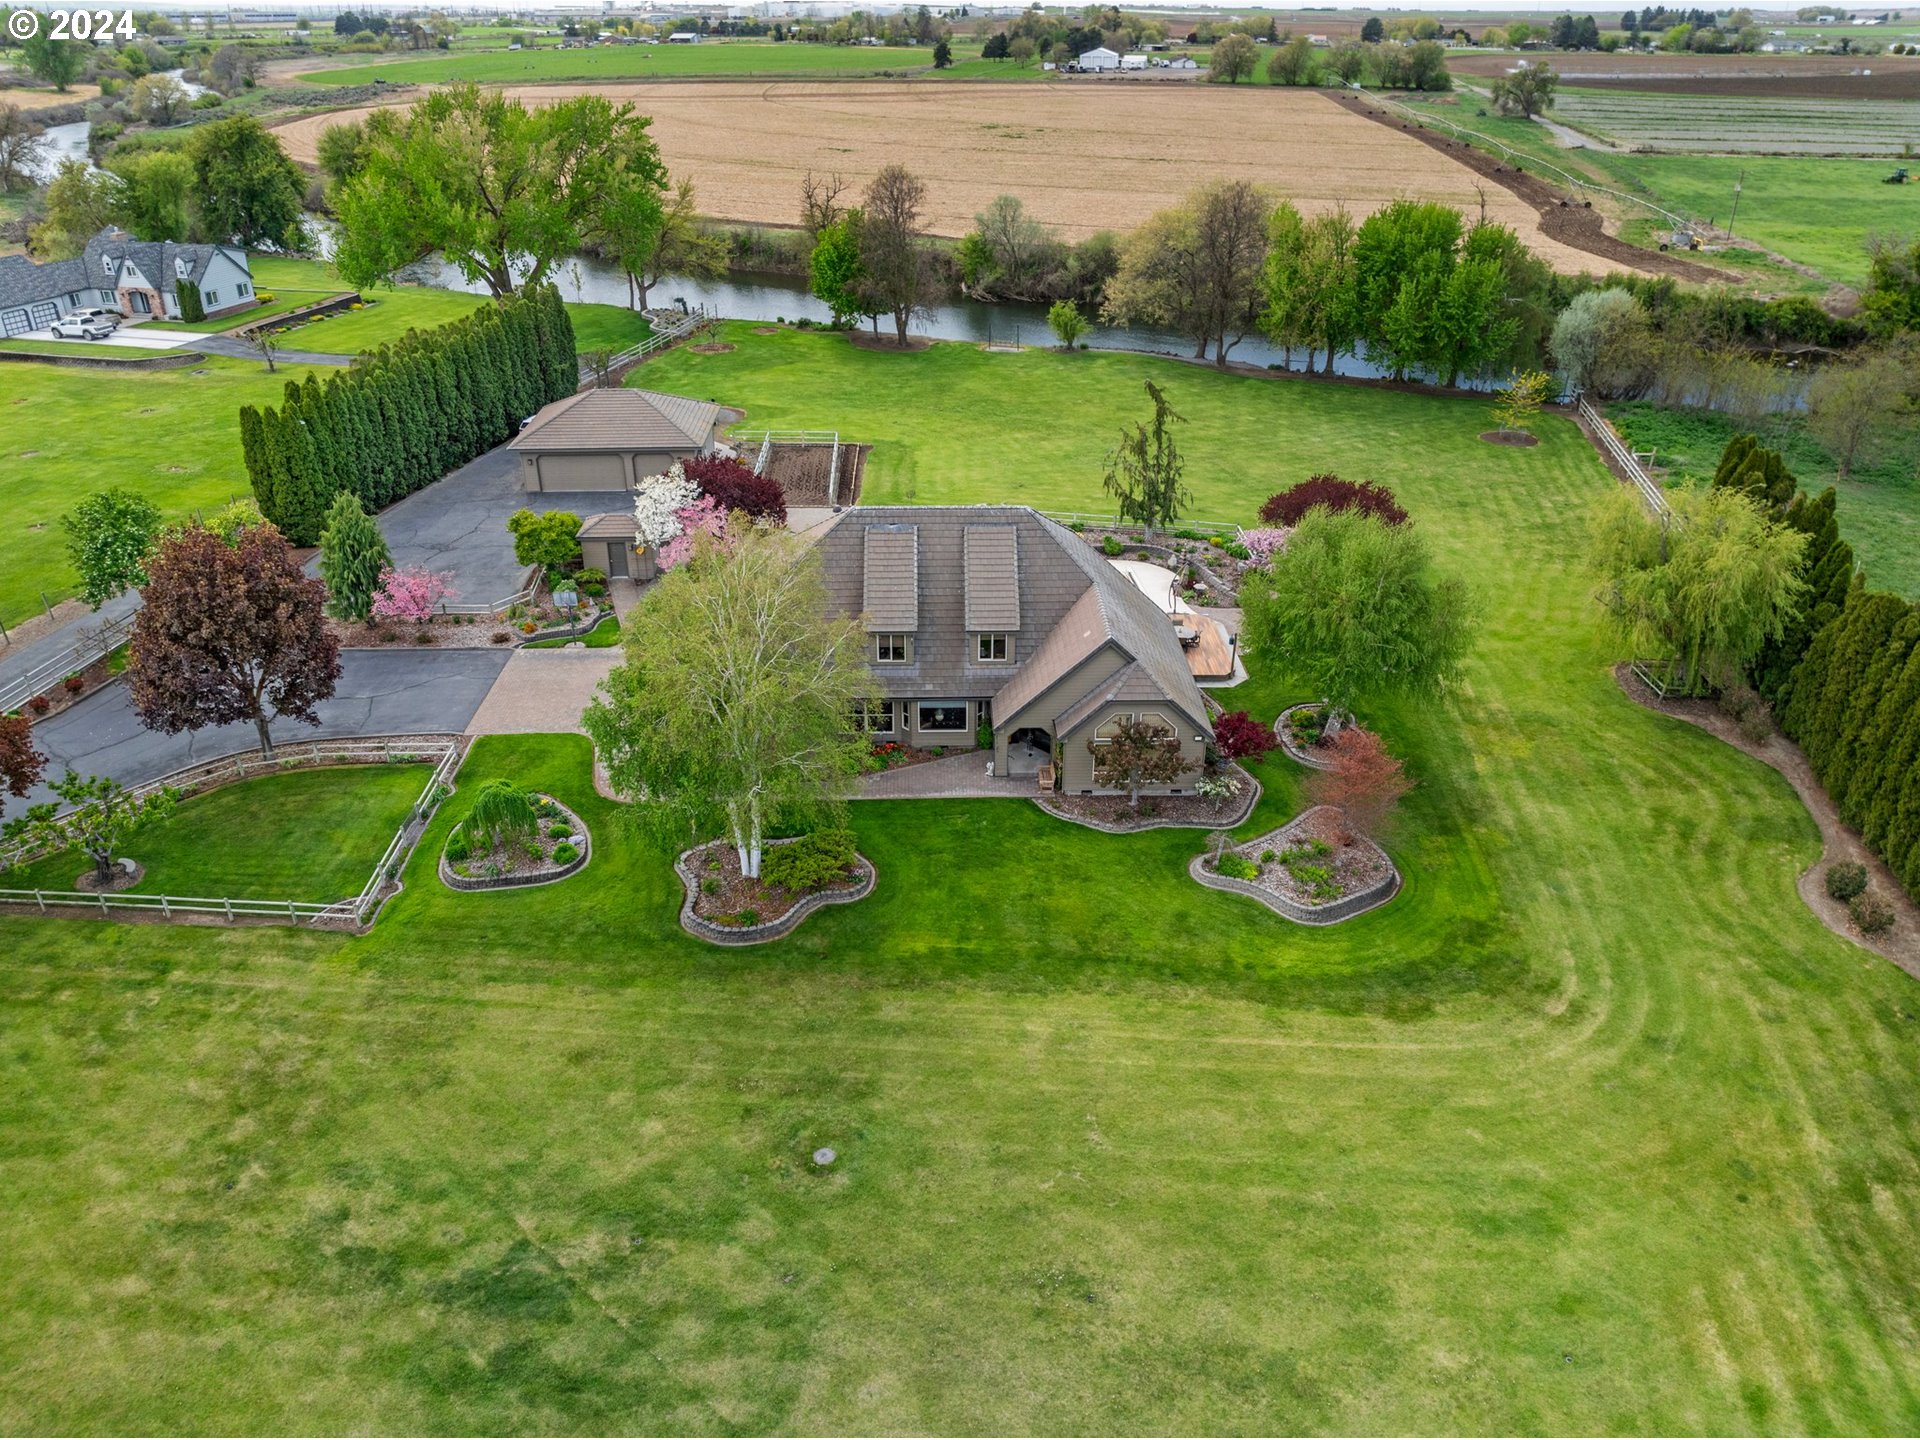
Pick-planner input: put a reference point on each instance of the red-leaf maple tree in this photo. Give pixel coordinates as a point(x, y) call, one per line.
point(230, 632)
point(1364, 785)
point(20, 763)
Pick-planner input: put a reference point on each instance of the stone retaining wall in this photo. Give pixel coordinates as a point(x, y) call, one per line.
point(515, 882)
point(332, 305)
point(1251, 798)
point(702, 928)
point(159, 360)
point(1329, 914)
point(1285, 737)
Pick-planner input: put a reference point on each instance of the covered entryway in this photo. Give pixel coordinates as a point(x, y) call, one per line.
point(1028, 749)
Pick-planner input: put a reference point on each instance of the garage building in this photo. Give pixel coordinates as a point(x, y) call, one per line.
point(611, 439)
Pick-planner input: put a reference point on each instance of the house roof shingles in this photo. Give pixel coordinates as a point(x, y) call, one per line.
point(603, 420)
point(992, 555)
point(890, 578)
point(1070, 603)
point(100, 264)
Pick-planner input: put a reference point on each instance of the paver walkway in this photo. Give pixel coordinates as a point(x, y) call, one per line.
point(951, 777)
point(542, 692)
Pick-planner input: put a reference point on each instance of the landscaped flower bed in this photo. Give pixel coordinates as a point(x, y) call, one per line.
point(495, 846)
point(796, 878)
point(1235, 793)
point(892, 755)
point(1303, 870)
point(1209, 566)
point(1301, 730)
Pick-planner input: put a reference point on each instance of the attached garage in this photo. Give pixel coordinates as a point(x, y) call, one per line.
point(610, 440)
point(14, 322)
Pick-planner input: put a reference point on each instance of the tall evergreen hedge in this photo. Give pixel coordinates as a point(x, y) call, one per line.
point(405, 415)
point(1853, 703)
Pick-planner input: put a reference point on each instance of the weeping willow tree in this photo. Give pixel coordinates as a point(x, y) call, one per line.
point(501, 812)
point(1703, 588)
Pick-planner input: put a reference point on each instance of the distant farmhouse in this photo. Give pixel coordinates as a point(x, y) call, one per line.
point(139, 278)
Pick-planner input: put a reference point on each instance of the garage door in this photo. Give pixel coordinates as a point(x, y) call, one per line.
point(14, 322)
point(44, 315)
point(582, 472)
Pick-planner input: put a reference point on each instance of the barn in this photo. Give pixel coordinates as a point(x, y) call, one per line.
point(611, 439)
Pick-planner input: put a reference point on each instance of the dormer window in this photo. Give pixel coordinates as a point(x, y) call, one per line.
point(892, 649)
point(183, 267)
point(106, 265)
point(993, 648)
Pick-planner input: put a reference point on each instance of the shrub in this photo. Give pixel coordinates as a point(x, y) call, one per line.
point(40, 704)
point(1870, 913)
point(1216, 788)
point(73, 684)
point(748, 916)
point(709, 886)
point(1237, 867)
point(734, 486)
point(458, 846)
point(1267, 857)
point(1111, 547)
point(586, 575)
point(1332, 493)
point(564, 854)
point(1240, 737)
point(501, 637)
point(501, 811)
point(559, 831)
point(1846, 880)
point(423, 637)
point(810, 863)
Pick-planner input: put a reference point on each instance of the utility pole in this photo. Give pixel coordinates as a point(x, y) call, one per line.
point(1738, 185)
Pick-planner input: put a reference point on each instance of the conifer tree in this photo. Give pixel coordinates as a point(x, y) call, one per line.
point(1851, 763)
point(353, 552)
point(1733, 457)
point(1861, 634)
point(1896, 740)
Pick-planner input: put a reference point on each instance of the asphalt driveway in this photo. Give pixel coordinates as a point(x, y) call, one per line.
point(380, 692)
point(459, 524)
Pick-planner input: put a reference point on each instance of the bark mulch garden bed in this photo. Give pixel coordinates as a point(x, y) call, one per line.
point(1303, 870)
point(1118, 815)
point(892, 755)
point(541, 620)
point(559, 846)
point(727, 907)
point(74, 688)
point(1297, 728)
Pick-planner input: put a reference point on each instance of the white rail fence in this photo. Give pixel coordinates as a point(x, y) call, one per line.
point(697, 318)
point(446, 751)
point(1625, 458)
point(493, 611)
point(94, 644)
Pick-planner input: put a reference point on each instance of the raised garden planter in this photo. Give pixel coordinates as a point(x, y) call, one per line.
point(734, 893)
point(1116, 816)
point(514, 864)
point(1310, 756)
point(1300, 873)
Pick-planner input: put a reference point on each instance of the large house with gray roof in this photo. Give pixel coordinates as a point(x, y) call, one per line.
point(995, 614)
point(139, 278)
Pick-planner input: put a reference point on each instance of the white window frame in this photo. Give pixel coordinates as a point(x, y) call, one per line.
point(920, 711)
point(984, 641)
point(1115, 719)
point(881, 646)
point(212, 297)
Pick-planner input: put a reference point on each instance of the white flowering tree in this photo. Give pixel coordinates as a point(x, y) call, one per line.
point(657, 504)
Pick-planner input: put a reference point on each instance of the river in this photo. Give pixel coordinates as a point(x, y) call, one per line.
point(69, 142)
point(784, 297)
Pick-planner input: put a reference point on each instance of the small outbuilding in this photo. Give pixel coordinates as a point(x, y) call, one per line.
point(612, 543)
point(611, 439)
point(1099, 58)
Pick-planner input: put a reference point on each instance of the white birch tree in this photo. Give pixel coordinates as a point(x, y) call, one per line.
point(734, 706)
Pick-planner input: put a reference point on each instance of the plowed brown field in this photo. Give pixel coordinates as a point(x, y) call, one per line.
point(1083, 158)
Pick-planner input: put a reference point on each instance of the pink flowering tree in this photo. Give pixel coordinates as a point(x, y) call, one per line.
point(410, 594)
point(1263, 545)
point(704, 517)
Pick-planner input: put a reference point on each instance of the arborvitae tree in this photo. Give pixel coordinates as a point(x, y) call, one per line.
point(1862, 633)
point(1801, 694)
point(1733, 457)
point(353, 552)
point(1896, 740)
point(1827, 567)
point(1852, 768)
point(253, 452)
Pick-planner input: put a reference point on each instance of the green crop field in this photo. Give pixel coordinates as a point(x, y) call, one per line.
point(1728, 124)
point(1592, 1129)
point(637, 62)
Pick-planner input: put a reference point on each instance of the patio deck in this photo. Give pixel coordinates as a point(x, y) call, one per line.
point(1211, 657)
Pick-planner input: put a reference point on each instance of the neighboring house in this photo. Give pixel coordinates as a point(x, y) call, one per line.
point(1133, 62)
point(1099, 58)
point(139, 278)
point(994, 614)
point(611, 439)
point(1182, 62)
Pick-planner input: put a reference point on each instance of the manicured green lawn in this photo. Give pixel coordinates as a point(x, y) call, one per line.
point(174, 435)
point(300, 835)
point(1593, 1128)
point(98, 349)
point(171, 435)
point(1879, 502)
point(603, 636)
point(636, 62)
